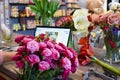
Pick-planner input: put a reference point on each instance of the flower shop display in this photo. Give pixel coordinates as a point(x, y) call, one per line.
point(39, 58)
point(45, 10)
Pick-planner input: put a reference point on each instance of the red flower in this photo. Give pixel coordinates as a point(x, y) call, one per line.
point(106, 28)
point(85, 51)
point(112, 43)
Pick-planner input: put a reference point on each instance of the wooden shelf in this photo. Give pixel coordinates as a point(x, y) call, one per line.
point(20, 4)
point(24, 17)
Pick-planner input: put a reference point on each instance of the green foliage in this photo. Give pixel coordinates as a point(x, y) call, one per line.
point(34, 74)
point(44, 7)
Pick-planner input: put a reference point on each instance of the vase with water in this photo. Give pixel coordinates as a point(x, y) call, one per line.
point(6, 33)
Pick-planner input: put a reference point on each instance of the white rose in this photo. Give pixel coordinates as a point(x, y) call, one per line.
point(80, 12)
point(81, 23)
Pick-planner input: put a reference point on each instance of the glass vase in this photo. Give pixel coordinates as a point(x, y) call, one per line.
point(112, 55)
point(6, 33)
point(75, 37)
point(46, 21)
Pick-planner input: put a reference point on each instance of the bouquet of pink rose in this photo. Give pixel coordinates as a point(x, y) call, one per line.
point(39, 58)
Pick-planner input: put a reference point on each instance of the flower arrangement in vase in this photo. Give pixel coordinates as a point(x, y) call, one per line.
point(82, 24)
point(45, 9)
point(39, 58)
point(110, 24)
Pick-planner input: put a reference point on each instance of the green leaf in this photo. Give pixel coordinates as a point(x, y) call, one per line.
point(34, 8)
point(37, 4)
point(37, 16)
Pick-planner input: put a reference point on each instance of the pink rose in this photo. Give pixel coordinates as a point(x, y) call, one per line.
point(26, 40)
point(32, 59)
point(33, 46)
point(62, 45)
point(104, 18)
point(66, 63)
point(46, 52)
point(73, 69)
point(65, 74)
point(31, 37)
point(50, 44)
point(114, 19)
point(19, 38)
point(42, 36)
point(43, 65)
point(55, 54)
point(69, 54)
point(20, 64)
point(73, 51)
point(48, 60)
point(17, 57)
point(53, 65)
point(59, 48)
point(75, 64)
point(21, 49)
point(42, 45)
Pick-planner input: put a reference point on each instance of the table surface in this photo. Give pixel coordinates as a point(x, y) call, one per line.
point(9, 67)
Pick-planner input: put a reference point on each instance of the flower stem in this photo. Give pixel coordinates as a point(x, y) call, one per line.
point(106, 66)
point(29, 74)
point(37, 78)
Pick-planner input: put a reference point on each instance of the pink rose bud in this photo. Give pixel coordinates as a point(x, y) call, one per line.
point(33, 59)
point(43, 65)
point(46, 52)
point(66, 63)
point(62, 45)
point(42, 36)
point(26, 40)
point(18, 39)
point(59, 48)
point(20, 64)
point(42, 45)
point(73, 51)
point(17, 57)
point(21, 49)
point(50, 44)
point(55, 54)
point(33, 46)
point(69, 53)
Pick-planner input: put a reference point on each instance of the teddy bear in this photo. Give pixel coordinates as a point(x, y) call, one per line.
point(95, 7)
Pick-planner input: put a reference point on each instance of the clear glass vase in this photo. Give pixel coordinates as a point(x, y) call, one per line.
point(112, 54)
point(46, 21)
point(6, 33)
